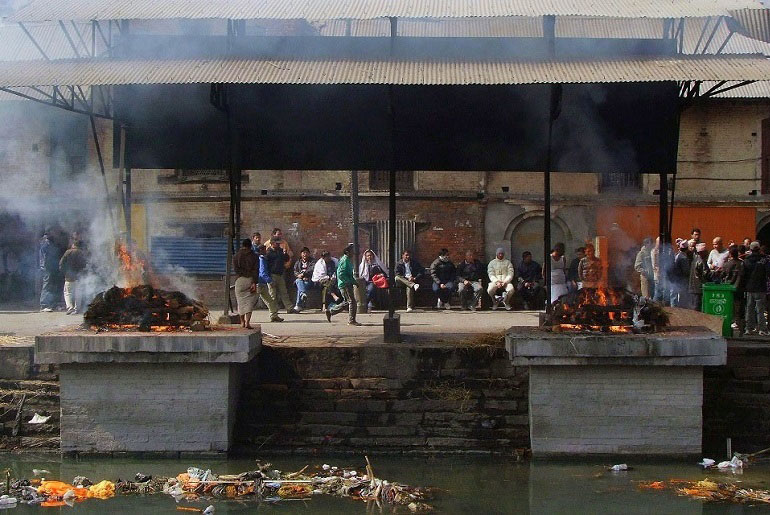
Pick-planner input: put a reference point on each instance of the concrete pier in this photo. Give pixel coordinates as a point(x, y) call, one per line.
point(148, 392)
point(615, 394)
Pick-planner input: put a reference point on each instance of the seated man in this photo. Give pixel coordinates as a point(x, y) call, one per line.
point(303, 274)
point(408, 272)
point(530, 287)
point(444, 274)
point(501, 274)
point(469, 273)
point(325, 276)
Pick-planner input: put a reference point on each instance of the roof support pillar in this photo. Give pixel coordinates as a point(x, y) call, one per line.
point(392, 322)
point(549, 33)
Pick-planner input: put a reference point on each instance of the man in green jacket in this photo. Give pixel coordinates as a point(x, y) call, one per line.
point(345, 281)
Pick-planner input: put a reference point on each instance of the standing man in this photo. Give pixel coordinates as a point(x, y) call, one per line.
point(718, 256)
point(72, 264)
point(325, 276)
point(680, 277)
point(695, 235)
point(590, 269)
point(345, 282)
point(699, 274)
point(755, 283)
point(444, 274)
point(49, 255)
point(732, 273)
point(469, 274)
point(408, 273)
point(303, 274)
point(643, 266)
point(276, 264)
point(278, 233)
point(573, 280)
point(501, 273)
point(256, 241)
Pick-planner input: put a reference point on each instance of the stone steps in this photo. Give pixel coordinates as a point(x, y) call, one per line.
point(42, 396)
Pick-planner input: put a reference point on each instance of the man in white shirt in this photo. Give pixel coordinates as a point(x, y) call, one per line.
point(325, 276)
point(501, 275)
point(718, 255)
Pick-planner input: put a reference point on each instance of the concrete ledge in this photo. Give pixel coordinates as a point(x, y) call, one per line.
point(680, 346)
point(81, 346)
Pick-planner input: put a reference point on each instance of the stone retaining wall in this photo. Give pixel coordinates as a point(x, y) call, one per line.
point(737, 399)
point(378, 398)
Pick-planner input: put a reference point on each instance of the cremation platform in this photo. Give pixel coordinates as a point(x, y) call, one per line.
point(148, 392)
point(638, 394)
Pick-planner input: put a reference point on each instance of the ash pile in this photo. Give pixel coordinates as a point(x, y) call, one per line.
point(144, 308)
point(605, 310)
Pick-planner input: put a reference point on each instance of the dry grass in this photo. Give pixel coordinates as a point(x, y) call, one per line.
point(448, 391)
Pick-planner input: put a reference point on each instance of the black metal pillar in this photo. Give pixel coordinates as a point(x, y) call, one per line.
point(663, 213)
point(354, 213)
point(392, 323)
point(549, 32)
point(100, 158)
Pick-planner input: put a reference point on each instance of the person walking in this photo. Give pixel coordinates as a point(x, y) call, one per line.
point(276, 264)
point(345, 282)
point(253, 276)
point(444, 275)
point(72, 264)
point(408, 273)
point(755, 283)
point(325, 276)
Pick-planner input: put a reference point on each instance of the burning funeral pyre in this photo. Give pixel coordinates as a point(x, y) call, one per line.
point(140, 306)
point(605, 310)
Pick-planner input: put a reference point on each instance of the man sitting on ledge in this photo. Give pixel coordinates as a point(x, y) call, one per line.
point(444, 274)
point(408, 273)
point(501, 273)
point(530, 286)
point(469, 273)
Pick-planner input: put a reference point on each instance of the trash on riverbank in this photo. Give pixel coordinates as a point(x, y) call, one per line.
point(262, 484)
point(709, 490)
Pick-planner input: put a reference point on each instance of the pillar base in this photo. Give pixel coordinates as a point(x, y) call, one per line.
point(392, 327)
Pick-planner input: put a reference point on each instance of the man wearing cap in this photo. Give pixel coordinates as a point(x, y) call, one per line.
point(345, 281)
point(699, 274)
point(501, 274)
point(755, 284)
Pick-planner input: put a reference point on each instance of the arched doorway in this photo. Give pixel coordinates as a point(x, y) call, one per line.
point(763, 235)
point(526, 233)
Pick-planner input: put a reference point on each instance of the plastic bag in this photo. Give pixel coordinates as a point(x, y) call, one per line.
point(102, 490)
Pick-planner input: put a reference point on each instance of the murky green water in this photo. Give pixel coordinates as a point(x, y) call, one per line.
point(472, 485)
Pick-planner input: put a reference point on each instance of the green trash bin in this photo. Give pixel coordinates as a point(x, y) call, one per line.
point(718, 300)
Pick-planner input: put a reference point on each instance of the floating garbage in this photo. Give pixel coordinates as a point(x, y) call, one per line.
point(39, 419)
point(619, 468)
point(707, 463)
point(195, 485)
point(709, 490)
point(734, 463)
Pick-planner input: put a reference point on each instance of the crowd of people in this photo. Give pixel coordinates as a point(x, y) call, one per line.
point(265, 270)
point(674, 275)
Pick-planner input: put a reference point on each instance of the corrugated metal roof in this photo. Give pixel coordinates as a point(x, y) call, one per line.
point(16, 46)
point(759, 89)
point(46, 10)
point(247, 71)
point(755, 22)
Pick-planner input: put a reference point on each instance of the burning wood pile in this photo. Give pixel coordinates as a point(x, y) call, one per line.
point(607, 311)
point(139, 306)
point(145, 308)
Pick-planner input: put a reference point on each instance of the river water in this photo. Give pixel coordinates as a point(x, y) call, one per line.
point(470, 485)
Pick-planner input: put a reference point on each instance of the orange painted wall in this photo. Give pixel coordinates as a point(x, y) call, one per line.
point(731, 223)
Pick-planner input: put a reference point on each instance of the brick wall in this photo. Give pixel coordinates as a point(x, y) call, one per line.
point(145, 407)
point(615, 410)
point(383, 398)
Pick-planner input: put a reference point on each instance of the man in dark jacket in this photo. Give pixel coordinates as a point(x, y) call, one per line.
point(732, 273)
point(49, 255)
point(303, 275)
point(530, 287)
point(72, 264)
point(469, 274)
point(755, 284)
point(679, 277)
point(276, 264)
point(444, 274)
point(408, 273)
point(699, 274)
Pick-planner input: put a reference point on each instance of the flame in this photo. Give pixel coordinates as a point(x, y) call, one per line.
point(132, 268)
point(621, 329)
point(135, 327)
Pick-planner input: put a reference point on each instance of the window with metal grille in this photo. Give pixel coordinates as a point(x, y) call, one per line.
point(619, 181)
point(379, 180)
